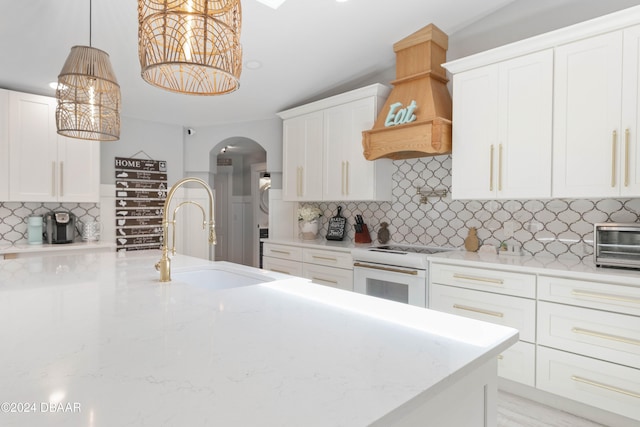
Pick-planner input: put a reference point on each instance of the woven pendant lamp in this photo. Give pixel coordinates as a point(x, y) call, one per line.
point(190, 46)
point(88, 95)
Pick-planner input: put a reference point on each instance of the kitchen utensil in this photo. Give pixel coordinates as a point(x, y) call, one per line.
point(336, 226)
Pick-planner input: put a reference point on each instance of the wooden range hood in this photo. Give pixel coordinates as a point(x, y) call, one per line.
point(420, 78)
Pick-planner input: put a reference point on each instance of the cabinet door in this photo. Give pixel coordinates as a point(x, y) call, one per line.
point(475, 133)
point(347, 174)
point(4, 145)
point(302, 158)
point(34, 173)
point(525, 127)
point(630, 148)
point(79, 170)
point(587, 110)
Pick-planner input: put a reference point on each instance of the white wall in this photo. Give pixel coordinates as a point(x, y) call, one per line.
point(160, 141)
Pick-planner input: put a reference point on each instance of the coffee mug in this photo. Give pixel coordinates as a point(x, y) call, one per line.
point(91, 231)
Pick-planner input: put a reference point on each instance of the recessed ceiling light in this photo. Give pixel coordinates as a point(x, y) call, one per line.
point(53, 85)
point(252, 64)
point(274, 4)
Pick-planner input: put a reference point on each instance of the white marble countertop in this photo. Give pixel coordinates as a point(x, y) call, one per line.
point(573, 268)
point(8, 248)
point(97, 333)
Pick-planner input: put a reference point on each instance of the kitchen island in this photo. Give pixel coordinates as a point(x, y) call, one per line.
point(95, 340)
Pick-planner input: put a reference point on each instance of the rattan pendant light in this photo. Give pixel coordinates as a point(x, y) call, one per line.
point(190, 46)
point(88, 95)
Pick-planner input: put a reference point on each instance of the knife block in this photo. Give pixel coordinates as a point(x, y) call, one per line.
point(363, 236)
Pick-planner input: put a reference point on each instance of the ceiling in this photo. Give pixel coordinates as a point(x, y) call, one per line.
point(306, 48)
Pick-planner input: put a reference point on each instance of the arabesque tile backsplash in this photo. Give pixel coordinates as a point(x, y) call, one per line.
point(13, 216)
point(554, 227)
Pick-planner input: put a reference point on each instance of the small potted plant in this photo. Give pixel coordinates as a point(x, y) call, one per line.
point(308, 221)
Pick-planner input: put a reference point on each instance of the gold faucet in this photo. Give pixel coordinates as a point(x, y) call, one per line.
point(164, 265)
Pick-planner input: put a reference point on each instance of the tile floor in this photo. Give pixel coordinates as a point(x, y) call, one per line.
point(514, 411)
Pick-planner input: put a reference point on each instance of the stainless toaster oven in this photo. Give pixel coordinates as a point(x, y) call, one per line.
point(617, 244)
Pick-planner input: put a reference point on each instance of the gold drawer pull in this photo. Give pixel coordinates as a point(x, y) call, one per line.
point(276, 251)
point(478, 279)
point(478, 310)
point(500, 357)
point(320, 279)
point(605, 336)
point(324, 257)
point(579, 293)
point(605, 386)
point(280, 271)
point(393, 270)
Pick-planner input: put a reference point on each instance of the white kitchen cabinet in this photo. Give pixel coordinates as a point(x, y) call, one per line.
point(302, 157)
point(322, 149)
point(597, 113)
point(502, 129)
point(4, 145)
point(45, 166)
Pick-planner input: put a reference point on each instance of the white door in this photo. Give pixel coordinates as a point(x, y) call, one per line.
point(587, 106)
point(630, 148)
point(34, 172)
point(79, 170)
point(475, 133)
point(302, 158)
point(525, 127)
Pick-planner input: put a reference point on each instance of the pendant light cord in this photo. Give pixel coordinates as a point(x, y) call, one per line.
point(90, 3)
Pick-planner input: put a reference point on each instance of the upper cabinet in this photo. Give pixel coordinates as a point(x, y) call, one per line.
point(502, 122)
point(44, 166)
point(556, 115)
point(4, 145)
point(322, 149)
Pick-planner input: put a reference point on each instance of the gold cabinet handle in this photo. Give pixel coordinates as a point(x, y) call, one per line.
point(500, 167)
point(605, 336)
point(320, 279)
point(614, 139)
point(491, 169)
point(393, 270)
point(605, 386)
point(500, 357)
point(299, 180)
point(580, 293)
point(324, 257)
point(626, 158)
point(53, 178)
point(276, 251)
point(479, 279)
point(478, 310)
point(346, 179)
point(280, 271)
point(61, 179)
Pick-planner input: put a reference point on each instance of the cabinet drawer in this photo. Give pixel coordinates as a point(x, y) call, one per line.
point(292, 253)
point(603, 335)
point(518, 363)
point(329, 258)
point(502, 282)
point(284, 266)
point(518, 313)
point(601, 384)
point(585, 293)
point(330, 276)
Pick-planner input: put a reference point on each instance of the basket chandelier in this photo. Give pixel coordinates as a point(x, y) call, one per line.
point(88, 95)
point(190, 46)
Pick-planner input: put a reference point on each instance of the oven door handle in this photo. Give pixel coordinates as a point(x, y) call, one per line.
point(379, 267)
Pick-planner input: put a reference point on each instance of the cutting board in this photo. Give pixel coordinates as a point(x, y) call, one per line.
point(337, 226)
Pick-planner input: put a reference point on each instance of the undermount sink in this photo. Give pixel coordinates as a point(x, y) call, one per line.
point(220, 277)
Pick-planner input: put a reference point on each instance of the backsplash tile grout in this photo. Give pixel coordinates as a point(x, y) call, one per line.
point(553, 227)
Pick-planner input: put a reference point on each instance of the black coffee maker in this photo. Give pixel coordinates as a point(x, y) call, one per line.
point(59, 227)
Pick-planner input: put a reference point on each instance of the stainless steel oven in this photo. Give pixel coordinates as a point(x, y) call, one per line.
point(397, 273)
point(617, 244)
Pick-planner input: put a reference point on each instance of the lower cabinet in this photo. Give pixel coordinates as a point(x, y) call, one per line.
point(322, 266)
point(492, 296)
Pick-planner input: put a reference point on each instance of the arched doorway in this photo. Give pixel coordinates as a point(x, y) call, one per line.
point(239, 178)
